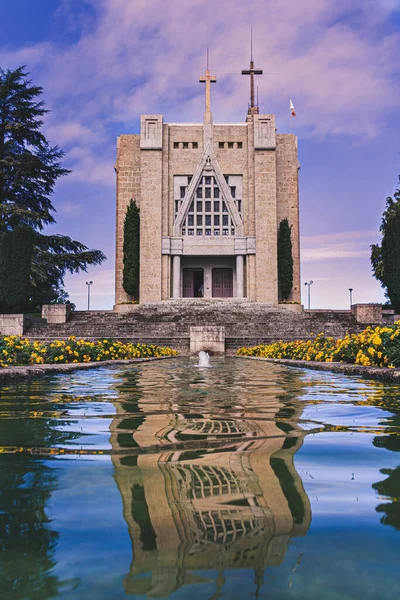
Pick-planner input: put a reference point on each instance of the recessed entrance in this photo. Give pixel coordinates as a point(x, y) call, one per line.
point(222, 283)
point(193, 283)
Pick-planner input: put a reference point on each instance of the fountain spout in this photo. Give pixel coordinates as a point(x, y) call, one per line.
point(204, 359)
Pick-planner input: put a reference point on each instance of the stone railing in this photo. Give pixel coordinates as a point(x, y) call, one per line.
point(56, 313)
point(367, 313)
point(14, 324)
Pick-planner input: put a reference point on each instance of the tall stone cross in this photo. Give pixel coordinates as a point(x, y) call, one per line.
point(208, 79)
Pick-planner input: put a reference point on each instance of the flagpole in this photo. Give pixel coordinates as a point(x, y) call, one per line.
point(290, 118)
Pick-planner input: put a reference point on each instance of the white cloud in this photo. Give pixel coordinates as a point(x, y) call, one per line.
point(334, 60)
point(336, 246)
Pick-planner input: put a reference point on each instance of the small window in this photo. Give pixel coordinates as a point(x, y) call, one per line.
point(183, 191)
point(233, 191)
point(216, 231)
point(230, 144)
point(216, 206)
point(185, 145)
point(225, 220)
point(216, 219)
point(232, 231)
point(208, 219)
point(224, 208)
point(190, 219)
point(199, 232)
point(199, 206)
point(190, 231)
point(239, 205)
point(220, 144)
point(208, 231)
point(183, 231)
point(199, 220)
point(224, 232)
point(177, 203)
point(191, 207)
point(216, 192)
point(176, 144)
point(208, 180)
point(195, 145)
point(208, 206)
point(199, 192)
point(208, 192)
point(240, 144)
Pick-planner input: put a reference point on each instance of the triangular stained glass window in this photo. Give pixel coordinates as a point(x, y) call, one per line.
point(208, 212)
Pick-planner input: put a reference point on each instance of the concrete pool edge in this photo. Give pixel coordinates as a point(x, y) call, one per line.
point(27, 371)
point(378, 373)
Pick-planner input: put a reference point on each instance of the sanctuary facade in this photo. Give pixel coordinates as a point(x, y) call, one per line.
point(211, 197)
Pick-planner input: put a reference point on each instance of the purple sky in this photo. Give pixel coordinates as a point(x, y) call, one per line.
point(103, 62)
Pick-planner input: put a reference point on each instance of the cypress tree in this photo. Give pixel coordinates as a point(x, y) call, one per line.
point(285, 260)
point(16, 250)
point(385, 258)
point(130, 280)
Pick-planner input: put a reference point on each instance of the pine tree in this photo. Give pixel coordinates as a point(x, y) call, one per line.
point(29, 170)
point(285, 260)
point(132, 251)
point(16, 249)
point(385, 258)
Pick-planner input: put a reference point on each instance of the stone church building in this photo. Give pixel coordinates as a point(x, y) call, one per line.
point(211, 197)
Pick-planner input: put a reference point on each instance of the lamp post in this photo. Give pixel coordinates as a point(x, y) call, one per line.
point(309, 284)
point(88, 283)
point(351, 297)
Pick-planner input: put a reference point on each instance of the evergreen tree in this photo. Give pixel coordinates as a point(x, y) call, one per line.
point(385, 258)
point(285, 260)
point(29, 170)
point(16, 249)
point(132, 251)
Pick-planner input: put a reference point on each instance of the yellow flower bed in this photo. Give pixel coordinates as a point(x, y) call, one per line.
point(17, 351)
point(375, 346)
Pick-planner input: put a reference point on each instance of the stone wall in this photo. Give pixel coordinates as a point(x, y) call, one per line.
point(56, 313)
point(128, 188)
point(367, 313)
point(14, 324)
point(287, 199)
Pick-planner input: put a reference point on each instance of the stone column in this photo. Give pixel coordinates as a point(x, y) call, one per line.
point(239, 276)
point(176, 273)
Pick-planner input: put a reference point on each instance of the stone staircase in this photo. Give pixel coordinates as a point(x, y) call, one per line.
point(168, 323)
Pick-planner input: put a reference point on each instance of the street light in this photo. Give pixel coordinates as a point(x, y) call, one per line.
point(88, 283)
point(309, 284)
point(351, 297)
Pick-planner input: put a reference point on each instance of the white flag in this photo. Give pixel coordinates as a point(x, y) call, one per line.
point(292, 111)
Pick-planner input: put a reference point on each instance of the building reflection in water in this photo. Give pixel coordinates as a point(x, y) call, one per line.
point(234, 506)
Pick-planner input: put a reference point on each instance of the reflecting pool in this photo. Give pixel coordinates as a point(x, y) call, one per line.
point(165, 480)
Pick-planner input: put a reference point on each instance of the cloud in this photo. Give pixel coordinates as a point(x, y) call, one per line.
point(337, 61)
point(71, 208)
point(337, 246)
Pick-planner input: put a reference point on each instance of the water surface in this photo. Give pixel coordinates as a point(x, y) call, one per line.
point(163, 480)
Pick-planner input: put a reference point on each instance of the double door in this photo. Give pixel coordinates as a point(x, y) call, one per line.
point(222, 283)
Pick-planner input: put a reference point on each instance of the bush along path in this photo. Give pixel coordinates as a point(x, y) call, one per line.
point(19, 351)
point(375, 346)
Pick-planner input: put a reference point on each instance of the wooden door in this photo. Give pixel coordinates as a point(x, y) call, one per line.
point(188, 283)
point(222, 283)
